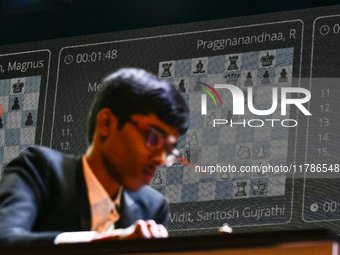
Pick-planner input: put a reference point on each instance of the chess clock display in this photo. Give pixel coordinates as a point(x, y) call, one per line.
point(91, 57)
point(329, 206)
point(325, 210)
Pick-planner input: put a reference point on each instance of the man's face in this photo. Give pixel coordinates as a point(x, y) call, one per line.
point(127, 154)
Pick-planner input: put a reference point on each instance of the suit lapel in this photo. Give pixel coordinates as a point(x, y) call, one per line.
point(129, 211)
point(83, 203)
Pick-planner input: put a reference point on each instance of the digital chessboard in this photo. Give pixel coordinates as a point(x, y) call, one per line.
point(19, 99)
point(204, 145)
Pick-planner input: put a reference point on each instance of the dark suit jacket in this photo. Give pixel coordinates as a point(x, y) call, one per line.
point(43, 193)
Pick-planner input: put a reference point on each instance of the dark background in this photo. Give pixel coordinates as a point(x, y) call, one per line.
point(35, 20)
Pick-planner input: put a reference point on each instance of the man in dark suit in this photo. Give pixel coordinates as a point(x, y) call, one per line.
point(133, 126)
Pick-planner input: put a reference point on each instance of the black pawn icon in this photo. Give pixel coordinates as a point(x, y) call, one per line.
point(181, 87)
point(16, 105)
point(265, 79)
point(283, 77)
point(249, 81)
point(29, 121)
point(1, 125)
point(199, 67)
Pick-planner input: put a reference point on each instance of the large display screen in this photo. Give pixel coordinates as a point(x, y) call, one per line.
point(262, 151)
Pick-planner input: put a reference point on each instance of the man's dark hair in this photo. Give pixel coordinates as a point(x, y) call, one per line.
point(132, 91)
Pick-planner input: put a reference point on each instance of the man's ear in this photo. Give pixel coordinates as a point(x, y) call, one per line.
point(106, 122)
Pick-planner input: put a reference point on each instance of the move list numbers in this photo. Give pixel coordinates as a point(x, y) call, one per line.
point(322, 126)
point(66, 132)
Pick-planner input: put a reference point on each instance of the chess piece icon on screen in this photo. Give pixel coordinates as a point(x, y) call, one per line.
point(241, 189)
point(283, 77)
point(265, 79)
point(157, 179)
point(258, 188)
point(29, 121)
point(17, 87)
point(260, 153)
point(267, 60)
point(233, 65)
point(249, 81)
point(211, 119)
point(243, 152)
point(166, 70)
point(232, 78)
point(181, 87)
point(192, 155)
point(194, 140)
point(16, 105)
point(199, 67)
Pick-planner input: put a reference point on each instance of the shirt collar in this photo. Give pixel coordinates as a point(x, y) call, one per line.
point(96, 191)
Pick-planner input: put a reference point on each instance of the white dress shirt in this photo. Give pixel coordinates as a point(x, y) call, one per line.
point(104, 212)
